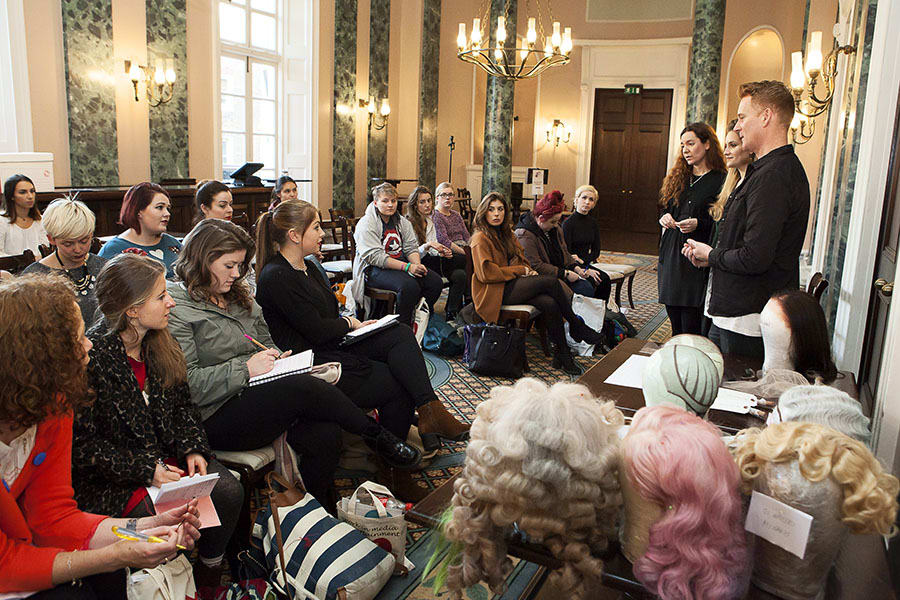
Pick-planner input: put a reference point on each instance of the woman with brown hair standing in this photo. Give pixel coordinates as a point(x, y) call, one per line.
point(690, 187)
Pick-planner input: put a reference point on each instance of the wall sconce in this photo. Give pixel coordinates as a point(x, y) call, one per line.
point(159, 81)
point(384, 112)
point(813, 106)
point(558, 132)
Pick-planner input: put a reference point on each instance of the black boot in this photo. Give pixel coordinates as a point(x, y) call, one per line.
point(580, 332)
point(563, 359)
point(394, 451)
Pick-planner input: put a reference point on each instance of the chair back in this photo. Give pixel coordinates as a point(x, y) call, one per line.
point(15, 264)
point(340, 213)
point(817, 286)
point(464, 199)
point(337, 230)
point(45, 250)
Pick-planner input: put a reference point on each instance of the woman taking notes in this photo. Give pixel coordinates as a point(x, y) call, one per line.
point(143, 414)
point(212, 317)
point(45, 540)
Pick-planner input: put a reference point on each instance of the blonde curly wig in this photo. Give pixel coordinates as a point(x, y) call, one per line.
point(544, 458)
point(870, 494)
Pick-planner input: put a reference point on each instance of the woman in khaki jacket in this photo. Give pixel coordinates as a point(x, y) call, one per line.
point(503, 276)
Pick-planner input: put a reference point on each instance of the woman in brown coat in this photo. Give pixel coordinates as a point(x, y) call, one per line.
point(503, 276)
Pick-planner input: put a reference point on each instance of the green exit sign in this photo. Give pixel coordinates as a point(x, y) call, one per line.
point(633, 88)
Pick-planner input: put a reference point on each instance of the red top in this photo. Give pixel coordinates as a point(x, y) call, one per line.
point(140, 371)
point(38, 515)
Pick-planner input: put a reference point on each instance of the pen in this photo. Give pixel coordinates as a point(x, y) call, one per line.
point(255, 342)
point(163, 463)
point(137, 536)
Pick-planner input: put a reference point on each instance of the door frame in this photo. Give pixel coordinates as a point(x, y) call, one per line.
point(656, 64)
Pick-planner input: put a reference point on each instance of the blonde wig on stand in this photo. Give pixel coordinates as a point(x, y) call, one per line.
point(545, 459)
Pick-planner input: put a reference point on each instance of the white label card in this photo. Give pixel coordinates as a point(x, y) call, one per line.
point(778, 523)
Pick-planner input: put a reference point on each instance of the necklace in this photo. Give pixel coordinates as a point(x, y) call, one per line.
point(84, 281)
point(699, 177)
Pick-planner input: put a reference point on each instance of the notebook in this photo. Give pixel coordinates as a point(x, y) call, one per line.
point(364, 332)
point(176, 493)
point(292, 365)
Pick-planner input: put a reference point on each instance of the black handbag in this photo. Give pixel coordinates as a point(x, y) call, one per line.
point(495, 350)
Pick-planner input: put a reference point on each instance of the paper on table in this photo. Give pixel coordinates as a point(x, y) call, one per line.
point(174, 494)
point(631, 373)
point(382, 322)
point(734, 401)
point(778, 523)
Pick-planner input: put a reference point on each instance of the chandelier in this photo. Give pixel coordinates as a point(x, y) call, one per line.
point(159, 82)
point(532, 53)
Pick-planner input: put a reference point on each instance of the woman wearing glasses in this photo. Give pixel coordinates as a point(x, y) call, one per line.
point(448, 224)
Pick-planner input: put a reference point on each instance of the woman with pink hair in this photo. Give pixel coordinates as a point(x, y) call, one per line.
point(683, 530)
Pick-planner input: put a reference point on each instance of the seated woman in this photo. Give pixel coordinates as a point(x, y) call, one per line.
point(145, 211)
point(385, 369)
point(503, 276)
point(285, 190)
point(22, 228)
point(387, 256)
point(213, 201)
point(213, 316)
point(795, 336)
point(449, 226)
point(545, 249)
point(46, 542)
point(581, 233)
point(143, 429)
point(435, 255)
point(70, 229)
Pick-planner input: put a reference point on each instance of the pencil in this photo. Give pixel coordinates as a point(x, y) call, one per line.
point(136, 536)
point(255, 342)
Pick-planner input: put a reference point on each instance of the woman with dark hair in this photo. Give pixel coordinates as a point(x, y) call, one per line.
point(212, 319)
point(502, 276)
point(795, 336)
point(547, 252)
point(213, 201)
point(145, 211)
point(21, 229)
point(386, 370)
point(689, 189)
point(285, 190)
point(435, 255)
point(46, 542)
point(143, 428)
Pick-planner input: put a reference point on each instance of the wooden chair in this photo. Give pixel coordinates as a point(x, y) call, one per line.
point(15, 264)
point(381, 298)
point(242, 220)
point(618, 275)
point(817, 286)
point(338, 255)
point(340, 213)
point(523, 315)
point(250, 467)
point(45, 250)
point(464, 199)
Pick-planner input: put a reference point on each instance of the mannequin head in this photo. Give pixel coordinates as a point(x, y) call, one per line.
point(824, 405)
point(544, 458)
point(795, 336)
point(685, 372)
point(823, 473)
point(677, 462)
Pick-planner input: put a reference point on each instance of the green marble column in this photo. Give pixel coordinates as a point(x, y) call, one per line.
point(344, 143)
point(498, 113)
point(167, 38)
point(379, 55)
point(428, 96)
point(90, 92)
point(706, 61)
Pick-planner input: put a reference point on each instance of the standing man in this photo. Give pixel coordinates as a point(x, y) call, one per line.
point(762, 230)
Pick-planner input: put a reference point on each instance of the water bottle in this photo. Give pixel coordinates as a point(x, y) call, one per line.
point(387, 502)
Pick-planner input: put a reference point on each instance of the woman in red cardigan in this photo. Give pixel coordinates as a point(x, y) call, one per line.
point(45, 541)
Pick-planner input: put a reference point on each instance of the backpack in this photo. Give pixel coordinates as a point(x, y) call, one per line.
point(441, 338)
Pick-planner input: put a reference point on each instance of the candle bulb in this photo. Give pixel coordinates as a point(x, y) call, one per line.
point(548, 48)
point(814, 54)
point(532, 32)
point(501, 29)
point(797, 76)
point(385, 108)
point(566, 46)
point(476, 32)
point(556, 39)
point(159, 75)
point(795, 122)
point(523, 50)
point(170, 71)
point(461, 38)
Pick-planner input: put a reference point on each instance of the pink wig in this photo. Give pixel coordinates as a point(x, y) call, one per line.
point(697, 549)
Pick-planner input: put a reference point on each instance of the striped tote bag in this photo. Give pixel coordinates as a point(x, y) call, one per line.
point(312, 555)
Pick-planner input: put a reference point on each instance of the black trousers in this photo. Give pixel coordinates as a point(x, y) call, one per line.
point(737, 344)
point(454, 269)
point(546, 293)
point(227, 497)
point(103, 586)
point(311, 411)
point(409, 289)
point(685, 319)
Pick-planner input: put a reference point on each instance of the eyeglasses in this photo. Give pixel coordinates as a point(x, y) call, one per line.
point(446, 195)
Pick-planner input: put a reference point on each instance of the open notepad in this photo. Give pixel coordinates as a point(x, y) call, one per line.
point(292, 365)
point(177, 493)
point(364, 332)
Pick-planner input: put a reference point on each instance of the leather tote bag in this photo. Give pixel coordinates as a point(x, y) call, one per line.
point(495, 350)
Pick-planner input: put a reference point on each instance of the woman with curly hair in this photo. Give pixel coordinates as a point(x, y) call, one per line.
point(689, 189)
point(543, 459)
point(502, 275)
point(143, 428)
point(46, 542)
point(214, 319)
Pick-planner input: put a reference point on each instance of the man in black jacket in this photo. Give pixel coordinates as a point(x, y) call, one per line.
point(763, 226)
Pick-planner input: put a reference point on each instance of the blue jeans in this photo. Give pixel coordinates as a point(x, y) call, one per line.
point(586, 287)
point(409, 289)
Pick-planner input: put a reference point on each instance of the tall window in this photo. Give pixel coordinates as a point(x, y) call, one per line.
point(249, 65)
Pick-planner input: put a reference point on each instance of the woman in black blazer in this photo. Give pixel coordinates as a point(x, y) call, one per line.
point(302, 313)
point(143, 417)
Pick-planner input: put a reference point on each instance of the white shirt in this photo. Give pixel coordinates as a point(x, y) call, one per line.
point(14, 240)
point(14, 456)
point(430, 236)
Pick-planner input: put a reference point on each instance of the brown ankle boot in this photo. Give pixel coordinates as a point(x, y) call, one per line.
point(434, 419)
point(402, 484)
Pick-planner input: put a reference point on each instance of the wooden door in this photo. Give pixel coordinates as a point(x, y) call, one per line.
point(628, 164)
point(882, 280)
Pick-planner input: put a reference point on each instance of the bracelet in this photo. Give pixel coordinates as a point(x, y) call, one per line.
point(75, 580)
point(406, 268)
